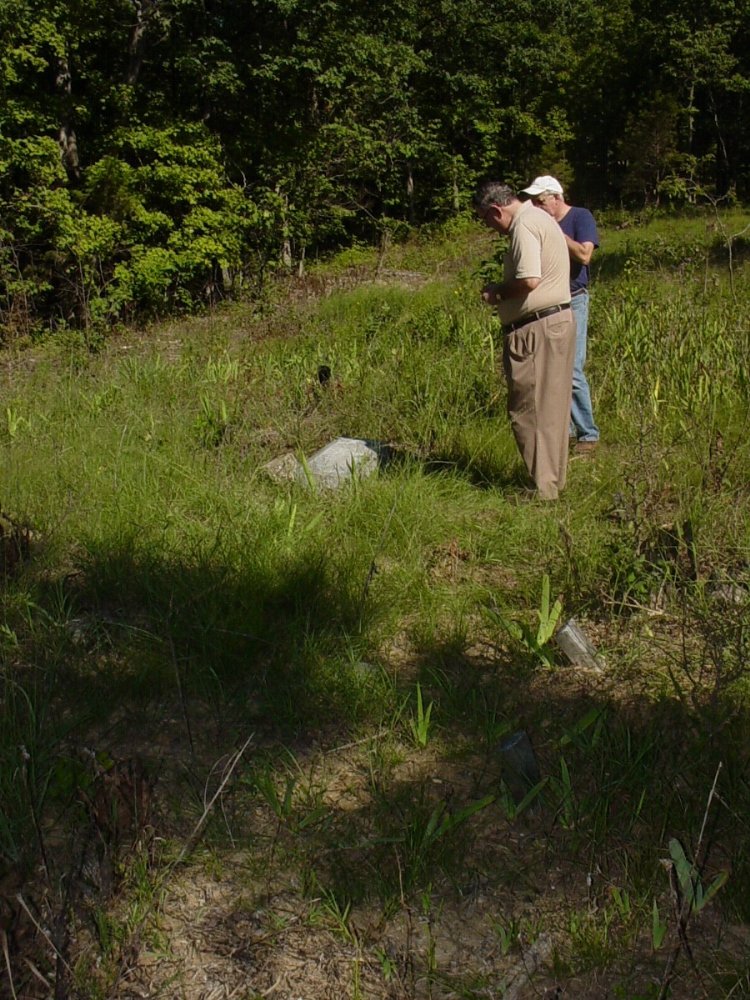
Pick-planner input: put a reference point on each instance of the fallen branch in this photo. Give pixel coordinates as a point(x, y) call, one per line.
point(197, 830)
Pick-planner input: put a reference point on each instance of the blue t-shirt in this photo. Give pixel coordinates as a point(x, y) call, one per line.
point(579, 225)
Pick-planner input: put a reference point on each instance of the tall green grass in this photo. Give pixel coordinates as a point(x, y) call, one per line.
point(171, 579)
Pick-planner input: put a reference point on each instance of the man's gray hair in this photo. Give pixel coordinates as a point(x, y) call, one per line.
point(493, 193)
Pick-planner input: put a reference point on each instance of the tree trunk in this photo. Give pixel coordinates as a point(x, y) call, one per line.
point(723, 171)
point(144, 10)
point(456, 193)
point(66, 135)
point(410, 192)
point(286, 253)
point(286, 240)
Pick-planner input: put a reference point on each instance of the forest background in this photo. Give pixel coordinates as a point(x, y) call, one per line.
point(158, 155)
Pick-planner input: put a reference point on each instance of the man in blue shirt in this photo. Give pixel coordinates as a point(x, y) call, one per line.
point(579, 229)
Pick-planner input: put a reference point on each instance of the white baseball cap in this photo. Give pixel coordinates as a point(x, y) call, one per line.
point(540, 185)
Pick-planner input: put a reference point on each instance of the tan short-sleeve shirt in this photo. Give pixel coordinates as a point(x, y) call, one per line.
point(537, 250)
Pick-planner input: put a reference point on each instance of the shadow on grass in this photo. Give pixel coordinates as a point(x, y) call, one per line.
point(251, 634)
point(484, 472)
point(409, 823)
point(486, 467)
point(617, 788)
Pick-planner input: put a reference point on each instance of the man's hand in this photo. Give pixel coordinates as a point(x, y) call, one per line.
point(516, 288)
point(491, 294)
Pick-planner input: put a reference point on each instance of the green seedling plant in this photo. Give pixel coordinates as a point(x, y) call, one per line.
point(13, 423)
point(592, 937)
point(388, 966)
point(622, 903)
point(659, 927)
point(568, 810)
point(307, 472)
point(280, 803)
point(334, 913)
point(212, 423)
point(110, 932)
point(8, 635)
point(422, 840)
point(587, 786)
point(295, 804)
point(694, 893)
point(223, 369)
point(420, 721)
point(535, 641)
point(579, 735)
point(508, 934)
point(296, 529)
point(511, 807)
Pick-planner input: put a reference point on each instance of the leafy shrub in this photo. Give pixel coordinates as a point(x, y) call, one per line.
point(155, 225)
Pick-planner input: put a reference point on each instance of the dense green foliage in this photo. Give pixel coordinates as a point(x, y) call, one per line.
point(157, 154)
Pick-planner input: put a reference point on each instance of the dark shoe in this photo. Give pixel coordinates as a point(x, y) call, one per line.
point(527, 494)
point(532, 496)
point(585, 449)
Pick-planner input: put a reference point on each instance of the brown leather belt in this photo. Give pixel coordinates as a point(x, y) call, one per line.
point(578, 291)
point(533, 317)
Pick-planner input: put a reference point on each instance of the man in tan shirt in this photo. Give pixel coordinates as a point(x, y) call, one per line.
point(533, 302)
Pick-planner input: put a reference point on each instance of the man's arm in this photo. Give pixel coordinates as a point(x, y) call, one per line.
point(579, 252)
point(515, 288)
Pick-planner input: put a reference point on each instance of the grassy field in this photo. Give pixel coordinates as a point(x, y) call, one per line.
point(252, 734)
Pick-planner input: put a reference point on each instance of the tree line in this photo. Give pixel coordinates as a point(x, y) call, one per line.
point(157, 154)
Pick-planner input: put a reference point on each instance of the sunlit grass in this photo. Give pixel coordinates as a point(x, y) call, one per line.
point(176, 592)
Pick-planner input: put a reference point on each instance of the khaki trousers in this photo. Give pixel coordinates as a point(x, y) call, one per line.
point(538, 363)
